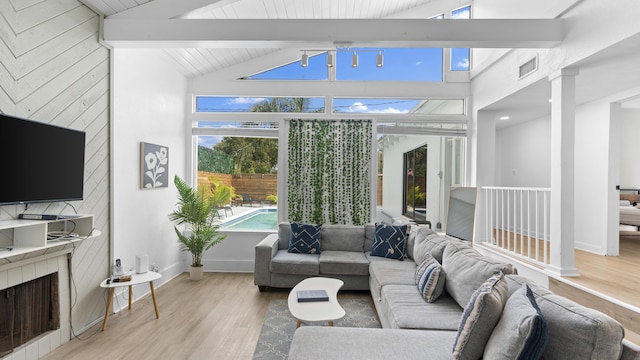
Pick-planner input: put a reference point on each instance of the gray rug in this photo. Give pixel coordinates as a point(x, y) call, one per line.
point(279, 326)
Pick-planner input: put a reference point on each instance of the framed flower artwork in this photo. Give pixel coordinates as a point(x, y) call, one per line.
point(154, 166)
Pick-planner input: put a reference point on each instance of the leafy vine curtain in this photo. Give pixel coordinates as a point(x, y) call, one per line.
point(329, 171)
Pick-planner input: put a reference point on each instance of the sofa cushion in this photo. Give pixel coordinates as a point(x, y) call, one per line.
point(342, 238)
point(389, 241)
point(427, 241)
point(521, 332)
point(405, 308)
point(284, 235)
point(369, 234)
point(430, 279)
point(466, 269)
point(480, 317)
point(343, 263)
point(285, 262)
point(305, 238)
point(384, 272)
point(592, 335)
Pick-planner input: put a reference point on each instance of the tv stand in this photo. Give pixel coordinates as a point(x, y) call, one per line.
point(28, 238)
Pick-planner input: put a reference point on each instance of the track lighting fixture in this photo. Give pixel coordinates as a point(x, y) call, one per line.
point(329, 59)
point(332, 53)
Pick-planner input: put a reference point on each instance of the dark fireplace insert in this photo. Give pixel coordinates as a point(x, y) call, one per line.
point(28, 310)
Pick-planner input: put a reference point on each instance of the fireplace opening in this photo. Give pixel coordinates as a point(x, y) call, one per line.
point(28, 310)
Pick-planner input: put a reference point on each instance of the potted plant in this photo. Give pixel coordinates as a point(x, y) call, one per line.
point(197, 209)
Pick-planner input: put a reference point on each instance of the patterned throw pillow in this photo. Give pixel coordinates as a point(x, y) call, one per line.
point(305, 238)
point(521, 332)
point(389, 241)
point(430, 278)
point(480, 317)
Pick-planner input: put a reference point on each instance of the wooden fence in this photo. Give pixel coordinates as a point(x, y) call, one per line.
point(257, 186)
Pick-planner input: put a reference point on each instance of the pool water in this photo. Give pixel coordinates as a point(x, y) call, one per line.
point(263, 219)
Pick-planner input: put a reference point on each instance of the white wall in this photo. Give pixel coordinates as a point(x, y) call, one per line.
point(629, 149)
point(149, 105)
point(523, 154)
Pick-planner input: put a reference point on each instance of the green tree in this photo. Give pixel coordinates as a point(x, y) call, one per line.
point(259, 155)
point(250, 155)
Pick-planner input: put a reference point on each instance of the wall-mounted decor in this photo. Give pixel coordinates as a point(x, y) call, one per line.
point(154, 166)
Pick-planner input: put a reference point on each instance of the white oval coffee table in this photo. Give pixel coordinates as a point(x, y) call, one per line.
point(317, 310)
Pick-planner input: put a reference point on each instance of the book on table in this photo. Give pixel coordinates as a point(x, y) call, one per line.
point(312, 295)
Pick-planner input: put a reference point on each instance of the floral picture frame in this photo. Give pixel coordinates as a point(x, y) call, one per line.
point(154, 166)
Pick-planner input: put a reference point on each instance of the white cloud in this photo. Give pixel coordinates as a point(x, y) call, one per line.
point(209, 141)
point(358, 107)
point(418, 63)
point(391, 110)
point(243, 100)
point(463, 63)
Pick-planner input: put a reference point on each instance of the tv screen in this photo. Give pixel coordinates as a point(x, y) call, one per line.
point(40, 162)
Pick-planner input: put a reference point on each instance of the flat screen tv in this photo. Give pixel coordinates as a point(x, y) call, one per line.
point(40, 162)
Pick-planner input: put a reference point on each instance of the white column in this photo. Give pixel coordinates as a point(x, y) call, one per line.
point(485, 169)
point(562, 224)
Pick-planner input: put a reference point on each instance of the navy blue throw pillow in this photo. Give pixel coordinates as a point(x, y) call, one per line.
point(389, 241)
point(305, 238)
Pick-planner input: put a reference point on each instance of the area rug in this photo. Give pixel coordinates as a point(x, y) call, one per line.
point(279, 326)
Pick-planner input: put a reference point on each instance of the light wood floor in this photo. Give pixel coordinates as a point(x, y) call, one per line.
point(614, 276)
point(219, 317)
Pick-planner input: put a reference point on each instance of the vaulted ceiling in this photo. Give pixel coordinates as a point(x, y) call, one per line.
point(215, 36)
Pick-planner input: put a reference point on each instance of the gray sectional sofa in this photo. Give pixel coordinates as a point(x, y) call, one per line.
point(345, 255)
point(412, 327)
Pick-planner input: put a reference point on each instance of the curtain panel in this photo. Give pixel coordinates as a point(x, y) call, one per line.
point(329, 171)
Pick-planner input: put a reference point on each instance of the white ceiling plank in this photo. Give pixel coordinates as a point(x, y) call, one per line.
point(270, 8)
point(166, 9)
point(473, 33)
point(184, 66)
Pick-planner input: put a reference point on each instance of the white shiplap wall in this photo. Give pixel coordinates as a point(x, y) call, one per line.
point(53, 69)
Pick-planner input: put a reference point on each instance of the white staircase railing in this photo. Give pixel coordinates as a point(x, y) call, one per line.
point(516, 221)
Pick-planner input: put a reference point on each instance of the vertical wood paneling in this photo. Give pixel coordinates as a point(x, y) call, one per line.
point(53, 69)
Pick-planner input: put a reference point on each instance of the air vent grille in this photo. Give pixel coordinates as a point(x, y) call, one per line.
point(528, 67)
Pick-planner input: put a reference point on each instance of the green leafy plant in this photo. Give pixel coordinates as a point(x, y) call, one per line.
point(197, 209)
point(272, 199)
point(415, 196)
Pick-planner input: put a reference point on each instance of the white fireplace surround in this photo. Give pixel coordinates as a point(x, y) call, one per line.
point(32, 269)
point(27, 255)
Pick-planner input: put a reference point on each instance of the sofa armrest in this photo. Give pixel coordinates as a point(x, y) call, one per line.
point(265, 250)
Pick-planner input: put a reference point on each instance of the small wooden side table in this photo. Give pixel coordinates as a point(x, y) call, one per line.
point(136, 279)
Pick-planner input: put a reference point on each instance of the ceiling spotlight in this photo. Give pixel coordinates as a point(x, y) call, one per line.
point(354, 60)
point(504, 118)
point(329, 59)
point(379, 60)
point(304, 61)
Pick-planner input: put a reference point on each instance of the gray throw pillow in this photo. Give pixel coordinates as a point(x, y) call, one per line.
point(521, 332)
point(430, 279)
point(480, 317)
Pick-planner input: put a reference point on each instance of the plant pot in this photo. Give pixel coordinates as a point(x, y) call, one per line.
point(195, 272)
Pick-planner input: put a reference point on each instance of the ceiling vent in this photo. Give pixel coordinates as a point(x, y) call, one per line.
point(528, 67)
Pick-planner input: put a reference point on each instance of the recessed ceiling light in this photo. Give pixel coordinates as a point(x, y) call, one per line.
point(504, 118)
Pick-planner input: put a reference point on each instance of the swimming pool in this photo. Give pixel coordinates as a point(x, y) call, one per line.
point(260, 219)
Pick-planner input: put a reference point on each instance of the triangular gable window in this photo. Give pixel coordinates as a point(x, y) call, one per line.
point(316, 70)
